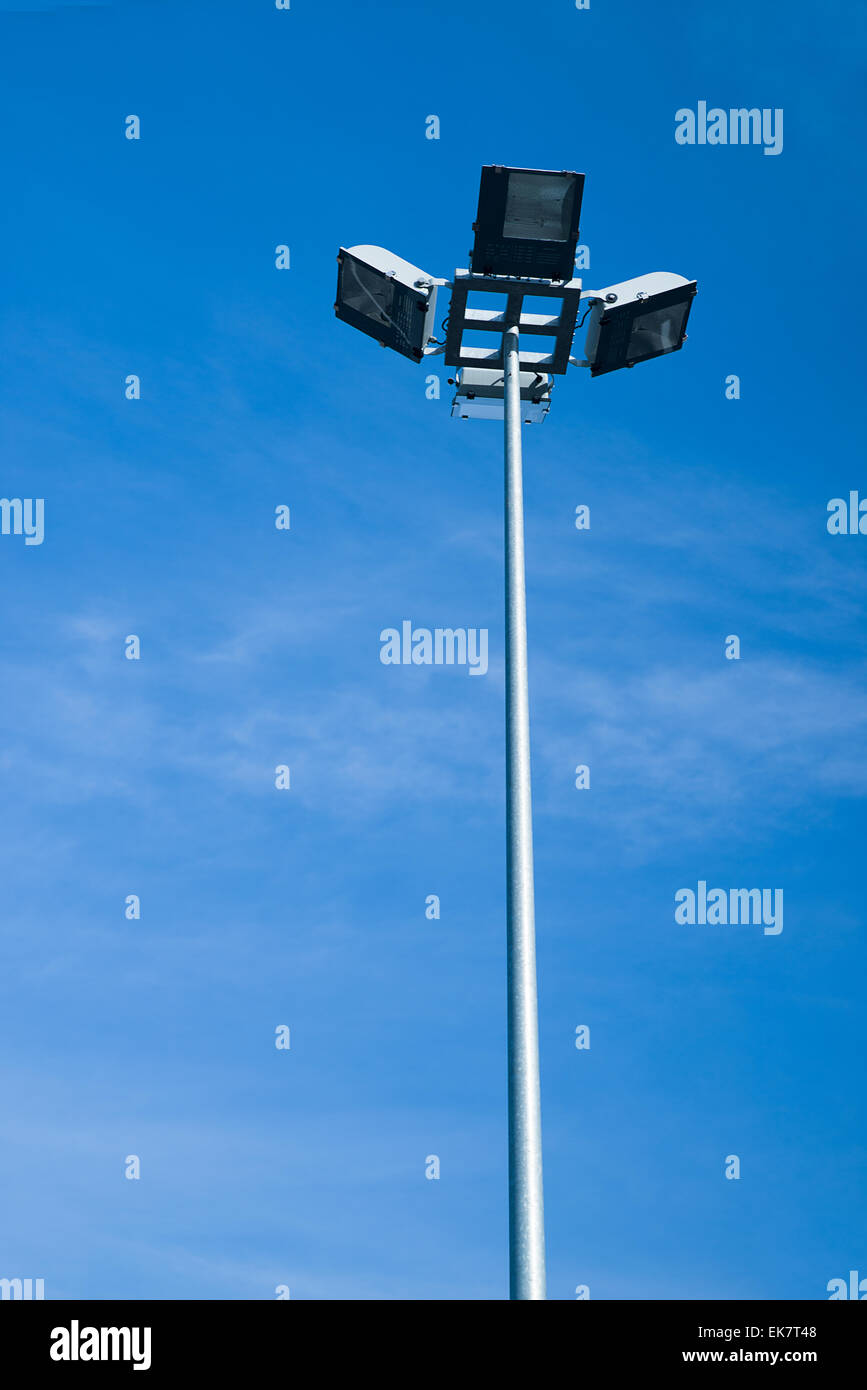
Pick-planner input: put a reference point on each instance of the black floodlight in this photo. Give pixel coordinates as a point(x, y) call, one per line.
point(638, 319)
point(527, 223)
point(386, 297)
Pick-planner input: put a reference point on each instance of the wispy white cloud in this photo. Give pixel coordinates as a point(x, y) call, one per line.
point(673, 750)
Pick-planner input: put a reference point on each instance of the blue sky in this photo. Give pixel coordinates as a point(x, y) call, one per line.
point(261, 647)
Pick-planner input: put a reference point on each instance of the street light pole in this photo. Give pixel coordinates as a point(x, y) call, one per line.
point(527, 229)
point(526, 1208)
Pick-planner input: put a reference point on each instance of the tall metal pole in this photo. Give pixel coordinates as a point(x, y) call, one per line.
point(526, 1210)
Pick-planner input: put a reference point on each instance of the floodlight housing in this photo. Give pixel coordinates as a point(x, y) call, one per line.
point(386, 297)
point(481, 395)
point(527, 222)
point(637, 319)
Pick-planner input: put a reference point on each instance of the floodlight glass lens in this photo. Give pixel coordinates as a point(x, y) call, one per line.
point(656, 332)
point(539, 207)
point(367, 291)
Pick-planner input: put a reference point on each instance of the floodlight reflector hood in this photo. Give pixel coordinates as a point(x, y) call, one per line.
point(527, 223)
point(638, 319)
point(386, 297)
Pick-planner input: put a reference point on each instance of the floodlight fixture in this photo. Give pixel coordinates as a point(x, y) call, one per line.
point(636, 320)
point(386, 297)
point(527, 222)
point(481, 395)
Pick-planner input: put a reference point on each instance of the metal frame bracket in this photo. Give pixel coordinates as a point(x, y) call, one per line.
point(559, 326)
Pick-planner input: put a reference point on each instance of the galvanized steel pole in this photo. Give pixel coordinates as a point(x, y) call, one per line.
point(526, 1209)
